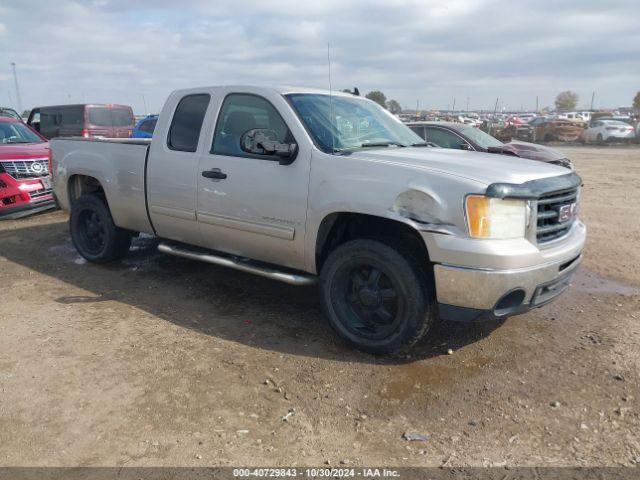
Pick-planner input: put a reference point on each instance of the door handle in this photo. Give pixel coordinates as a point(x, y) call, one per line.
point(214, 173)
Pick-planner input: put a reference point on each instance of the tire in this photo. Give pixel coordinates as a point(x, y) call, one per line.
point(375, 297)
point(93, 232)
point(599, 139)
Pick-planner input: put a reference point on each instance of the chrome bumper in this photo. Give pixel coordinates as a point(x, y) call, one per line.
point(471, 293)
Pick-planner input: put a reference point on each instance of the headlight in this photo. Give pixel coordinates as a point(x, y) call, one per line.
point(495, 217)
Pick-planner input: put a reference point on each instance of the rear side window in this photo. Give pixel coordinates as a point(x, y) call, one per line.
point(187, 122)
point(71, 116)
point(110, 117)
point(419, 131)
point(444, 138)
point(48, 118)
point(100, 116)
point(122, 117)
point(149, 126)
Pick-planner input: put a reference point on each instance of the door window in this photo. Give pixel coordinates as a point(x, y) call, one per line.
point(148, 126)
point(444, 138)
point(420, 131)
point(186, 125)
point(243, 112)
point(71, 116)
point(48, 120)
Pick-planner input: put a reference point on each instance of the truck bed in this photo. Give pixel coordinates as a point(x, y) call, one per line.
point(118, 164)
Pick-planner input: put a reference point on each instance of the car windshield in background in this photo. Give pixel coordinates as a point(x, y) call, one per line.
point(110, 117)
point(11, 132)
point(342, 123)
point(479, 137)
point(8, 112)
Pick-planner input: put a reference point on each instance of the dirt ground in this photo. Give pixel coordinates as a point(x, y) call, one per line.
point(159, 360)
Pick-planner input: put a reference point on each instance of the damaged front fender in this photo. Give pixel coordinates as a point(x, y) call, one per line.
point(426, 208)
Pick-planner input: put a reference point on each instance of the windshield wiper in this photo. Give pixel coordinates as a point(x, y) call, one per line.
point(382, 144)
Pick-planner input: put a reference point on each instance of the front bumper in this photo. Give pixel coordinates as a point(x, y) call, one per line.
point(493, 280)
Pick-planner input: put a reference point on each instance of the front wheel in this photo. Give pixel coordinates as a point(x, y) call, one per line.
point(93, 232)
point(376, 298)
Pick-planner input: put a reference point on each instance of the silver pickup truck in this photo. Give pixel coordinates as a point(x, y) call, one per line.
point(307, 186)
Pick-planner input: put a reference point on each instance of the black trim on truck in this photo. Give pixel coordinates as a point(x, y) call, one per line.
point(534, 188)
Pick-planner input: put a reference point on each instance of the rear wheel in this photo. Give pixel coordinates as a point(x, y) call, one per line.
point(376, 298)
point(599, 138)
point(93, 232)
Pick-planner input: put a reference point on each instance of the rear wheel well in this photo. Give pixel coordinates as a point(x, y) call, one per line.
point(339, 228)
point(85, 185)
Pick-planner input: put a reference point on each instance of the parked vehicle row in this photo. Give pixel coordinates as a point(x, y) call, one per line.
point(304, 186)
point(462, 137)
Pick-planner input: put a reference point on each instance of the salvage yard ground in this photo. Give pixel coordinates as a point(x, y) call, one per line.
point(158, 360)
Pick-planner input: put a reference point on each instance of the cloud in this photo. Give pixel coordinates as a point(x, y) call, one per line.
point(431, 51)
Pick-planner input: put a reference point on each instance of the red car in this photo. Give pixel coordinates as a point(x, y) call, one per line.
point(25, 184)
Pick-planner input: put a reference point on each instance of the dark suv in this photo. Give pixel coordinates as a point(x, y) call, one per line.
point(109, 121)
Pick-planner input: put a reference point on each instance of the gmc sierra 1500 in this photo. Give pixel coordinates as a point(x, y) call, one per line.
point(303, 185)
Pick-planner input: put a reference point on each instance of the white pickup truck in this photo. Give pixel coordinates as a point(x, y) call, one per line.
point(307, 186)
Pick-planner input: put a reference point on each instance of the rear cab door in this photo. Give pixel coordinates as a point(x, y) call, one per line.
point(173, 166)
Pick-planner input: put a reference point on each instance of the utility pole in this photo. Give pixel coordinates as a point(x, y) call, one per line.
point(537, 105)
point(454, 104)
point(467, 104)
point(144, 102)
point(593, 96)
point(417, 105)
point(15, 79)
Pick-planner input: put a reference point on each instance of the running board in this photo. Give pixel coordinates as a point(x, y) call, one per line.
point(299, 279)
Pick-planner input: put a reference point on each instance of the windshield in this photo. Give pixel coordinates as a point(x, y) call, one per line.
point(350, 123)
point(110, 117)
point(8, 112)
point(11, 132)
point(479, 137)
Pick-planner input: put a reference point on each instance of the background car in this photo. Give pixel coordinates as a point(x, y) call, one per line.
point(145, 127)
point(9, 112)
point(609, 130)
point(463, 137)
point(25, 184)
point(84, 120)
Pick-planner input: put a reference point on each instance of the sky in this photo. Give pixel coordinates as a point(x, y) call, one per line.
point(426, 51)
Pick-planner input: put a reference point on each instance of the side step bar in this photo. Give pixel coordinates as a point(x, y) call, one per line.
point(300, 279)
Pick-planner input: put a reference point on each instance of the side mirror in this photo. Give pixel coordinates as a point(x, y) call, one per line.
point(465, 146)
point(263, 141)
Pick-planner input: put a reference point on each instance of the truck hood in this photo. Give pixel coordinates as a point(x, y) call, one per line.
point(485, 168)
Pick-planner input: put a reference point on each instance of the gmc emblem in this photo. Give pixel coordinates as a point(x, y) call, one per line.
point(566, 212)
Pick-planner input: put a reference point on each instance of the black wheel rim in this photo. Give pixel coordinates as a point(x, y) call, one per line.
point(92, 232)
point(370, 299)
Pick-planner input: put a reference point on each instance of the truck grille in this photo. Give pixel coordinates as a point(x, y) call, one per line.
point(556, 214)
point(35, 168)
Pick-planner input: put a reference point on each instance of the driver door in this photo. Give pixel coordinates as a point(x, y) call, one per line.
point(250, 205)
